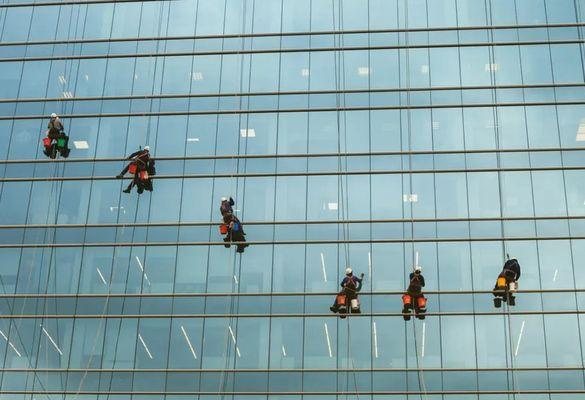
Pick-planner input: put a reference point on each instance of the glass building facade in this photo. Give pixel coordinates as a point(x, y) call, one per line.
point(380, 134)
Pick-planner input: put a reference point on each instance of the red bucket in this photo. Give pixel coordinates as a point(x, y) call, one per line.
point(223, 229)
point(47, 142)
point(422, 302)
point(143, 175)
point(340, 299)
point(132, 168)
point(406, 299)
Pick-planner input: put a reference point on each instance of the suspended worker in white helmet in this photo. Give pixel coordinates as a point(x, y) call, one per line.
point(56, 140)
point(414, 299)
point(347, 299)
point(142, 168)
point(226, 208)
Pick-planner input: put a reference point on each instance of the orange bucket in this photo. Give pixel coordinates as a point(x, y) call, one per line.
point(406, 299)
point(422, 302)
point(223, 229)
point(132, 168)
point(143, 175)
point(501, 283)
point(340, 299)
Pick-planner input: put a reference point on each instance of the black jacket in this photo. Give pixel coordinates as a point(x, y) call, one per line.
point(512, 269)
point(417, 282)
point(141, 158)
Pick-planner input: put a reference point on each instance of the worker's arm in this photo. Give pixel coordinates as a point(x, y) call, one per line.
point(232, 202)
point(131, 156)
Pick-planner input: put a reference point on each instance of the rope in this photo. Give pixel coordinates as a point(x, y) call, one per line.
point(343, 191)
point(234, 183)
point(55, 191)
point(113, 269)
point(420, 375)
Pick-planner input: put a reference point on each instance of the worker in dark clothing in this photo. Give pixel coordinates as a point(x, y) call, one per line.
point(234, 232)
point(507, 283)
point(226, 206)
point(56, 140)
point(347, 299)
point(414, 299)
point(139, 166)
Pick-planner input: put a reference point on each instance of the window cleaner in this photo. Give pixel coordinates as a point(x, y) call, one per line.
point(414, 299)
point(56, 140)
point(347, 300)
point(234, 232)
point(142, 168)
point(507, 283)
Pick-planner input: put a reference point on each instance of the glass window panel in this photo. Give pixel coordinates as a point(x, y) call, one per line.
point(459, 348)
point(536, 65)
point(126, 21)
point(294, 15)
point(267, 14)
point(185, 343)
point(320, 343)
point(567, 65)
point(16, 24)
point(182, 14)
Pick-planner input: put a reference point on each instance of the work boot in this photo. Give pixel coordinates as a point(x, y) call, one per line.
point(127, 190)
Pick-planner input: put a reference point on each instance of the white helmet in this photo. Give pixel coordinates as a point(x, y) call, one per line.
point(417, 269)
point(147, 148)
point(224, 199)
point(53, 115)
point(348, 271)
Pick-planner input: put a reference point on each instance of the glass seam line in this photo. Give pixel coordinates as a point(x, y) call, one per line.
point(284, 34)
point(281, 315)
point(288, 242)
point(289, 174)
point(293, 92)
point(271, 294)
point(301, 110)
point(293, 50)
point(298, 222)
point(69, 3)
point(306, 393)
point(301, 155)
point(284, 370)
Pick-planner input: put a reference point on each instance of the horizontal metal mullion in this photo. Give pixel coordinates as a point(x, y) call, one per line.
point(282, 370)
point(296, 222)
point(291, 93)
point(285, 315)
point(287, 242)
point(300, 155)
point(291, 50)
point(308, 174)
point(269, 294)
point(291, 393)
point(300, 110)
point(74, 2)
point(285, 34)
